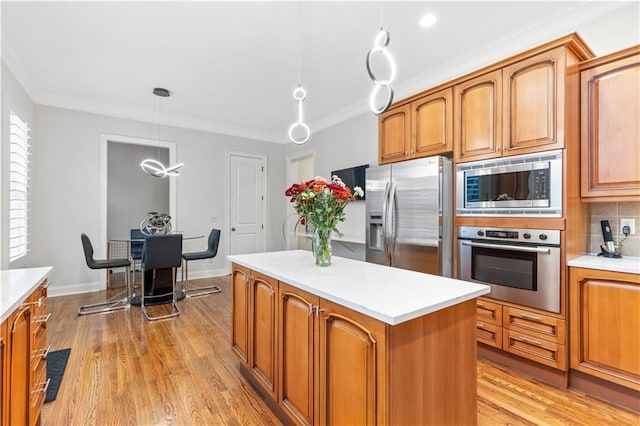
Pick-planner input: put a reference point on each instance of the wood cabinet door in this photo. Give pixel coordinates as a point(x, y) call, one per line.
point(3, 372)
point(533, 108)
point(240, 313)
point(605, 325)
point(349, 367)
point(297, 353)
point(19, 367)
point(394, 135)
point(478, 117)
point(610, 129)
point(262, 330)
point(432, 123)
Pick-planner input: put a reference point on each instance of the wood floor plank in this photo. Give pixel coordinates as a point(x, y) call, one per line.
point(124, 370)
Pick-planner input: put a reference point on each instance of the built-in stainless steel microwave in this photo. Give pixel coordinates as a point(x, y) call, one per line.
point(521, 185)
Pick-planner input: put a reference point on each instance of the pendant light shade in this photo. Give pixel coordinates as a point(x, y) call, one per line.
point(154, 167)
point(299, 133)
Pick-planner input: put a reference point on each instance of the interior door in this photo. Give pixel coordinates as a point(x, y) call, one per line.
point(246, 204)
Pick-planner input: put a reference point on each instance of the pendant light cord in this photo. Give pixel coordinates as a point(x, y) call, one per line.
point(381, 14)
point(299, 45)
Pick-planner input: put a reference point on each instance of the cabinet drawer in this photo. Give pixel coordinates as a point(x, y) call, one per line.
point(489, 312)
point(489, 334)
point(539, 350)
point(535, 325)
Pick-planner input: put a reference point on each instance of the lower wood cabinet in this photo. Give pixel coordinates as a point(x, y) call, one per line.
point(23, 352)
point(352, 367)
point(262, 330)
point(240, 316)
point(532, 335)
point(605, 325)
point(298, 327)
point(333, 365)
point(489, 324)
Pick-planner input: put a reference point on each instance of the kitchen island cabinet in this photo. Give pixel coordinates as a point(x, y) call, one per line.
point(360, 343)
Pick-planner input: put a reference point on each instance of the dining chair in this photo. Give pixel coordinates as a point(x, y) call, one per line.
point(136, 243)
point(120, 300)
point(210, 253)
point(160, 253)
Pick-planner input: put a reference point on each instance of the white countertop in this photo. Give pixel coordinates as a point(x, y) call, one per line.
point(388, 294)
point(592, 261)
point(16, 285)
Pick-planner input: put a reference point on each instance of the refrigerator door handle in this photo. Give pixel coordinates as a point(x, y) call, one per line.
point(385, 229)
point(391, 226)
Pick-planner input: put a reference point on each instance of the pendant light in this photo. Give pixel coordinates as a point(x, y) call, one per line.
point(154, 167)
point(380, 44)
point(299, 95)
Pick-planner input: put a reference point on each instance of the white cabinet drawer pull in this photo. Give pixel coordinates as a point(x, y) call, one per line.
point(42, 353)
point(530, 317)
point(42, 387)
point(43, 318)
point(530, 341)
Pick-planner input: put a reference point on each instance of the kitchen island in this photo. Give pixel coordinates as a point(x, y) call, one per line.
point(355, 343)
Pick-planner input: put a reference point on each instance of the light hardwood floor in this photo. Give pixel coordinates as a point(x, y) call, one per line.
point(125, 370)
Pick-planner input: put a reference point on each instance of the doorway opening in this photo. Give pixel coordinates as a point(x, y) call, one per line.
point(126, 192)
point(299, 169)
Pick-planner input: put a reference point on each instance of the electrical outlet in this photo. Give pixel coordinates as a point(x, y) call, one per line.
point(631, 223)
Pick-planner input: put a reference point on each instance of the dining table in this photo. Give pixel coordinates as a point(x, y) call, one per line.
point(119, 248)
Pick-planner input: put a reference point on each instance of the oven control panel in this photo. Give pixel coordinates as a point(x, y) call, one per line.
point(540, 236)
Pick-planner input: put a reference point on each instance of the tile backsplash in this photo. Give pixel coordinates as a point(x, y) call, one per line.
point(613, 212)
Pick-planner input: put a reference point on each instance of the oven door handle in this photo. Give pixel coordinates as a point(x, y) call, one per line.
point(504, 247)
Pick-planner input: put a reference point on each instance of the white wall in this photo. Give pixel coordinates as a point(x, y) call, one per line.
point(66, 191)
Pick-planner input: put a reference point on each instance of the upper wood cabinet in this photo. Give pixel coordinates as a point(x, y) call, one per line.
point(610, 127)
point(517, 109)
point(478, 117)
point(419, 129)
point(432, 124)
point(533, 108)
point(394, 135)
point(605, 325)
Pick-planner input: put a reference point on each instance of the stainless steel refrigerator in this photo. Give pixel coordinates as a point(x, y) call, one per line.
point(409, 215)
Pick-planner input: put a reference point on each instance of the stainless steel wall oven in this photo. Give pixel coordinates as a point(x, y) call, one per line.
point(520, 265)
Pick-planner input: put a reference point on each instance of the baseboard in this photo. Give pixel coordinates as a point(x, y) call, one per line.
point(65, 290)
point(56, 290)
point(194, 275)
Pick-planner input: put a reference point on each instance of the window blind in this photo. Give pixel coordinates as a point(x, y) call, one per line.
point(18, 187)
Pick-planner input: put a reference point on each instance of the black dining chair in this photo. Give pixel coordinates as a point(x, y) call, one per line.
point(119, 301)
point(160, 254)
point(136, 243)
point(211, 252)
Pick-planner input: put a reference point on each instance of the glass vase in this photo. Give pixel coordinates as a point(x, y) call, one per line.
point(321, 246)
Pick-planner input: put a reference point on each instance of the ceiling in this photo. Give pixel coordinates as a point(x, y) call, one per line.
point(232, 66)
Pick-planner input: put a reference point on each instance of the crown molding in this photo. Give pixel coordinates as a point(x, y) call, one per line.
point(116, 111)
point(456, 66)
point(11, 61)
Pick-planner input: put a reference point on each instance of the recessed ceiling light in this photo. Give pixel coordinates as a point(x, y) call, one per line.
point(428, 20)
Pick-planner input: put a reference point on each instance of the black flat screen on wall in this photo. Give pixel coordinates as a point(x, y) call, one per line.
point(352, 177)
